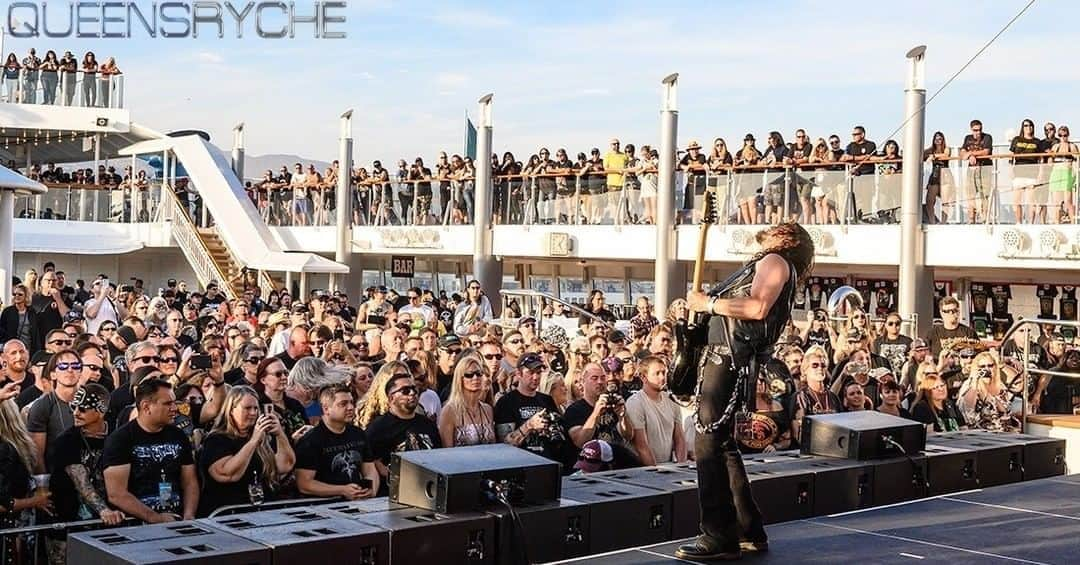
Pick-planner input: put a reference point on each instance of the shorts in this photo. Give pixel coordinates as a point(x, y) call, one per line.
point(774, 196)
point(1062, 178)
point(301, 205)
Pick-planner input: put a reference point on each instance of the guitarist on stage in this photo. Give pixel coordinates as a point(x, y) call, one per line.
point(743, 323)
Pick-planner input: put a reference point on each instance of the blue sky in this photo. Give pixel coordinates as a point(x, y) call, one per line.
point(574, 74)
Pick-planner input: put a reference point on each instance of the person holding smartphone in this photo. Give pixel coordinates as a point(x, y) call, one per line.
point(335, 458)
point(245, 455)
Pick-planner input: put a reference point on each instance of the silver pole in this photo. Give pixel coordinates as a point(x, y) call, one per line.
point(343, 252)
point(238, 152)
point(915, 284)
point(486, 268)
point(7, 243)
point(665, 198)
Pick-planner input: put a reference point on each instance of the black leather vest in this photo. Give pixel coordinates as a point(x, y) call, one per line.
point(751, 338)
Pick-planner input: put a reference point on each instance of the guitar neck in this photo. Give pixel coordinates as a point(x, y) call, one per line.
point(699, 259)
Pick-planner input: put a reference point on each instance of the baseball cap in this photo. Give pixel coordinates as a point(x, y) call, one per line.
point(449, 340)
point(526, 320)
point(381, 288)
point(531, 361)
point(555, 336)
point(40, 358)
point(616, 336)
point(612, 364)
point(73, 316)
point(171, 282)
point(919, 343)
point(594, 454)
point(127, 334)
point(299, 308)
point(91, 396)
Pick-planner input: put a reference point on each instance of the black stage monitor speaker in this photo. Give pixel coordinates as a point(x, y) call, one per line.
point(683, 486)
point(299, 536)
point(621, 515)
point(552, 531)
point(176, 542)
point(783, 491)
point(422, 537)
point(862, 435)
point(460, 479)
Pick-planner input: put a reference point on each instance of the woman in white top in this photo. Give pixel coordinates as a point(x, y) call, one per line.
point(465, 419)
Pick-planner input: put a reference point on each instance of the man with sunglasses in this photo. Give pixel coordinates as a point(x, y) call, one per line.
point(335, 457)
point(19, 320)
point(399, 429)
point(101, 307)
point(49, 305)
point(51, 414)
point(58, 340)
point(951, 330)
point(893, 345)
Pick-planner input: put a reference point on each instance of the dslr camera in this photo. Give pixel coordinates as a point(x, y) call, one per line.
point(611, 393)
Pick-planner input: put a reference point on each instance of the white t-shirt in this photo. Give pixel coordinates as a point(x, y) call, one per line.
point(107, 313)
point(657, 418)
point(423, 309)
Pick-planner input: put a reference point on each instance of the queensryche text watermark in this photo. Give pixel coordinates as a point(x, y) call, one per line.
point(125, 20)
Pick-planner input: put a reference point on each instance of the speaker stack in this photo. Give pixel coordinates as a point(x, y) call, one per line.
point(447, 505)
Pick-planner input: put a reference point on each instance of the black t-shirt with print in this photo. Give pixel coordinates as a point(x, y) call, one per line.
point(389, 434)
point(607, 424)
point(980, 293)
point(895, 350)
point(516, 409)
point(152, 456)
point(73, 448)
point(985, 141)
point(939, 338)
point(863, 286)
point(1067, 304)
point(885, 292)
point(1020, 145)
point(861, 151)
point(214, 495)
point(999, 299)
point(941, 290)
point(336, 458)
point(1046, 294)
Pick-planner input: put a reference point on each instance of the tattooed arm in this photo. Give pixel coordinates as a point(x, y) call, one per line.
point(80, 477)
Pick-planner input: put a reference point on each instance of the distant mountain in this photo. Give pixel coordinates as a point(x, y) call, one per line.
point(255, 165)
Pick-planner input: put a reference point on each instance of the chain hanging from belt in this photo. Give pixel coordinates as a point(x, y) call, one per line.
point(718, 354)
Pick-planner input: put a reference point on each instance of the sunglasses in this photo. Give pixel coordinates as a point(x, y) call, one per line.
point(254, 360)
point(493, 356)
point(401, 375)
point(91, 367)
point(473, 374)
point(950, 311)
point(148, 359)
point(987, 367)
point(816, 365)
point(169, 359)
point(73, 366)
point(60, 342)
point(406, 390)
point(892, 323)
point(278, 374)
point(318, 343)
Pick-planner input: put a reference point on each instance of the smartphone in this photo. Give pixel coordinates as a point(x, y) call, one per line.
point(339, 334)
point(200, 361)
point(364, 483)
point(268, 409)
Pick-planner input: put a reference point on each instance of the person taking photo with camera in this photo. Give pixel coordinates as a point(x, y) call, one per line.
point(601, 414)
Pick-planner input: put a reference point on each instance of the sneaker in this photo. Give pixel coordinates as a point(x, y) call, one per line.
point(754, 546)
point(703, 550)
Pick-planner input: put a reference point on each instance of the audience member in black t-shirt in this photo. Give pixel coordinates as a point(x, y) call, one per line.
point(520, 415)
point(149, 469)
point(399, 429)
point(77, 483)
point(951, 330)
point(245, 455)
point(49, 306)
point(600, 416)
point(335, 458)
point(860, 150)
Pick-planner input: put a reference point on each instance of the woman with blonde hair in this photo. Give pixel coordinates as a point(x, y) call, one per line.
point(933, 406)
point(30, 279)
point(554, 385)
point(377, 403)
point(678, 310)
point(466, 419)
point(984, 400)
point(237, 462)
point(18, 459)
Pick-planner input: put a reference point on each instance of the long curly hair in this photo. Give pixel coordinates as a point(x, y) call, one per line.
point(376, 404)
point(794, 245)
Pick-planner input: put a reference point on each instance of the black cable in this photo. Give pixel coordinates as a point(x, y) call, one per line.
point(915, 469)
point(518, 529)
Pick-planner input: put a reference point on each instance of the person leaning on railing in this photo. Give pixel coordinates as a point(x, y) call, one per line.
point(1062, 177)
point(11, 79)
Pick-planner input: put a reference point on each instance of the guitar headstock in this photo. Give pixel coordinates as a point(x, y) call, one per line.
point(710, 208)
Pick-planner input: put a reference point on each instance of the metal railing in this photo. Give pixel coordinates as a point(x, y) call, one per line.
point(93, 203)
point(1027, 369)
point(187, 237)
point(77, 89)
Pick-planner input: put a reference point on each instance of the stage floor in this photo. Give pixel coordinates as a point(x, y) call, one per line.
point(1031, 522)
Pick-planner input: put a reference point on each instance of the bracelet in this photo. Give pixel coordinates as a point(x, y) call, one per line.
point(712, 304)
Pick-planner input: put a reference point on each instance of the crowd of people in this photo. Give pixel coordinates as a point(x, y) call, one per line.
point(805, 180)
point(53, 80)
point(119, 404)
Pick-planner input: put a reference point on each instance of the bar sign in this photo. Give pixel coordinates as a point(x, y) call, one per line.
point(402, 266)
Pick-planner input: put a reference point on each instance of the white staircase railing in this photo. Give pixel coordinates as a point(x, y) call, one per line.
point(198, 256)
